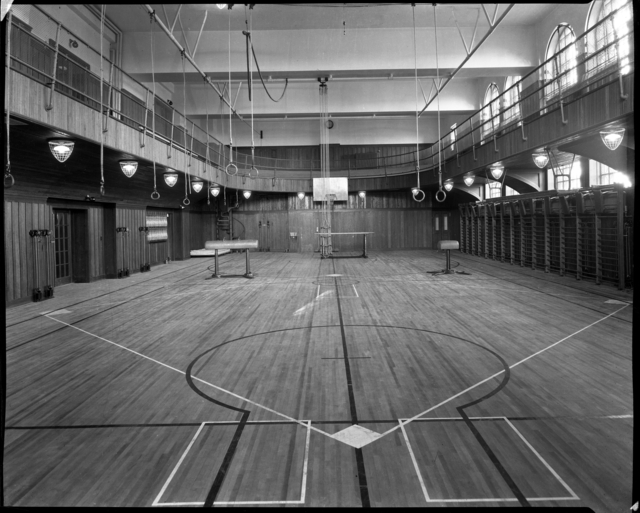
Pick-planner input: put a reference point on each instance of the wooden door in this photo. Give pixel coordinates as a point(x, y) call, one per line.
point(277, 230)
point(441, 227)
point(80, 265)
point(62, 246)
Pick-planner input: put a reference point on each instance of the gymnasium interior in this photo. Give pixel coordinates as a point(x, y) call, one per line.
point(319, 255)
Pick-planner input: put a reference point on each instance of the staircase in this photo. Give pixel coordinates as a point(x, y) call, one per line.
point(224, 225)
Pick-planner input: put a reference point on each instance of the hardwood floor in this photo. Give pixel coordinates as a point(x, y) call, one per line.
point(504, 387)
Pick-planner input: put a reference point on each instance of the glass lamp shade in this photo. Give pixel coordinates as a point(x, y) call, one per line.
point(129, 167)
point(221, 6)
point(496, 172)
point(468, 180)
point(246, 194)
point(215, 190)
point(171, 178)
point(414, 190)
point(61, 150)
point(541, 159)
point(448, 185)
point(612, 138)
point(197, 185)
point(362, 194)
point(301, 195)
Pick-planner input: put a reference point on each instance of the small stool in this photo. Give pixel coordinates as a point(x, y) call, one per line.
point(447, 246)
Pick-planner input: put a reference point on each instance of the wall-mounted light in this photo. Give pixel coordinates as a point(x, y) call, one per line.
point(61, 149)
point(301, 195)
point(197, 184)
point(171, 177)
point(540, 158)
point(129, 167)
point(246, 194)
point(468, 180)
point(448, 185)
point(612, 137)
point(496, 171)
point(362, 194)
point(214, 189)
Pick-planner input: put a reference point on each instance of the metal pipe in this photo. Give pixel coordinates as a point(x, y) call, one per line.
point(489, 32)
point(190, 59)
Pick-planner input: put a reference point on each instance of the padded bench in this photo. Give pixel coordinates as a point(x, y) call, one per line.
point(447, 246)
point(217, 245)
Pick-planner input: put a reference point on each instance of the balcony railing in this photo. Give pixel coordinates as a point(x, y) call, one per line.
point(33, 53)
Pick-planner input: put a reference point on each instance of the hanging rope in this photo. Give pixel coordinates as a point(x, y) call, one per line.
point(416, 191)
point(187, 179)
point(206, 154)
point(286, 80)
point(7, 171)
point(155, 195)
point(440, 193)
point(102, 192)
point(253, 171)
point(230, 164)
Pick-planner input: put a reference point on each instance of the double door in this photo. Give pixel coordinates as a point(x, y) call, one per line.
point(441, 227)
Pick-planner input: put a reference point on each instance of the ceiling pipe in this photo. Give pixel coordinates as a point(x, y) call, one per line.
point(469, 55)
point(166, 30)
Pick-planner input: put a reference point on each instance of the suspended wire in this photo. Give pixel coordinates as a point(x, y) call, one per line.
point(206, 154)
point(417, 190)
point(230, 164)
point(440, 189)
point(7, 171)
point(155, 194)
point(187, 177)
point(101, 104)
point(251, 96)
point(286, 80)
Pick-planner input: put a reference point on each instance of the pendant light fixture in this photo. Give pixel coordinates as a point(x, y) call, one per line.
point(612, 137)
point(246, 194)
point(129, 167)
point(214, 189)
point(448, 185)
point(496, 171)
point(301, 195)
point(171, 177)
point(197, 184)
point(541, 158)
point(468, 180)
point(61, 149)
point(362, 194)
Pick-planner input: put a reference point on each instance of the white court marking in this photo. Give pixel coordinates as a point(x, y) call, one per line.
point(303, 490)
point(530, 499)
point(404, 422)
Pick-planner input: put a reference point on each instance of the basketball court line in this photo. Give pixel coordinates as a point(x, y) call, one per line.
point(502, 371)
point(544, 462)
point(303, 490)
point(402, 423)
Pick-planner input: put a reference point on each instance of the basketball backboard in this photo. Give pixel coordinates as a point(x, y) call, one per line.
point(322, 187)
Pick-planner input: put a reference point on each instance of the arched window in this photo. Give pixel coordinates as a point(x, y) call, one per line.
point(601, 41)
point(560, 72)
point(512, 92)
point(492, 190)
point(491, 110)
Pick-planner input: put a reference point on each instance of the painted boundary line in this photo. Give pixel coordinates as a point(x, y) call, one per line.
point(303, 488)
point(508, 499)
point(502, 371)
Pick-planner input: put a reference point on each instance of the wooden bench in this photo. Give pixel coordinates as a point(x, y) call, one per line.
point(216, 245)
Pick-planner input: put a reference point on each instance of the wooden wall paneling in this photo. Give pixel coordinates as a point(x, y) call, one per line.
point(24, 242)
point(8, 253)
point(279, 230)
point(109, 241)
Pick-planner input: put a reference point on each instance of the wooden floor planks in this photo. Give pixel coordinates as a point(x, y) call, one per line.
point(100, 409)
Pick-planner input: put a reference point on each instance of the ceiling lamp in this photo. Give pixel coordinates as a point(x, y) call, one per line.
point(197, 184)
point(468, 180)
point(129, 167)
point(414, 190)
point(246, 194)
point(214, 189)
point(611, 138)
point(362, 194)
point(61, 149)
point(448, 185)
point(496, 172)
point(171, 177)
point(221, 6)
point(540, 158)
point(301, 195)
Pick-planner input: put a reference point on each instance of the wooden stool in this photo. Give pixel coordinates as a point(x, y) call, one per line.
point(447, 246)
